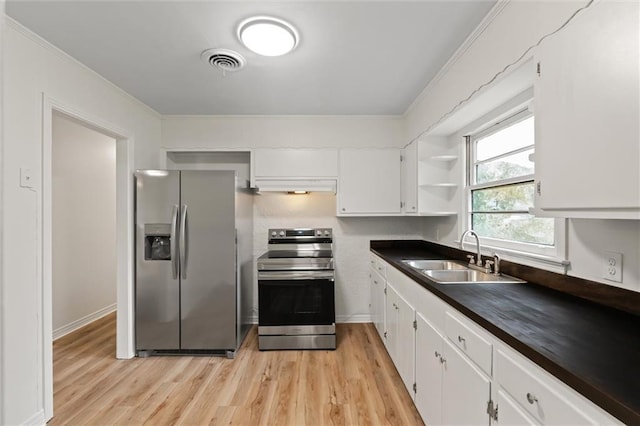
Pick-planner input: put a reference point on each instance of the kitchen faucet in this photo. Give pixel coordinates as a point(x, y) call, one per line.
point(478, 259)
point(477, 262)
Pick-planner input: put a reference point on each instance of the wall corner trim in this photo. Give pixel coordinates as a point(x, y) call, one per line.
point(495, 11)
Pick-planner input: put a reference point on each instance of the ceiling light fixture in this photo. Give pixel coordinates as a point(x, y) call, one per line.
point(268, 36)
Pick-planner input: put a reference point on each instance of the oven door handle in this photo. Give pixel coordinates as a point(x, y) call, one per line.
point(295, 275)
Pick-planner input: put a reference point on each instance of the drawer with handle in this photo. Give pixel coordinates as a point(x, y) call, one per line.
point(538, 399)
point(470, 340)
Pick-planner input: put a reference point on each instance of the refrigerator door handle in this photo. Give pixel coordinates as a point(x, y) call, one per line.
point(184, 242)
point(174, 232)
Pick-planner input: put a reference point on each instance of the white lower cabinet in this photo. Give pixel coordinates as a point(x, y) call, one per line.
point(458, 373)
point(465, 389)
point(429, 368)
point(405, 344)
point(545, 400)
point(400, 335)
point(378, 285)
point(391, 322)
point(377, 274)
point(450, 389)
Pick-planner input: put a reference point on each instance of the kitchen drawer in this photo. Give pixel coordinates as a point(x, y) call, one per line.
point(469, 339)
point(537, 398)
point(380, 266)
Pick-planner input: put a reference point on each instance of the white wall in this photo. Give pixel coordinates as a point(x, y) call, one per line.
point(504, 41)
point(351, 241)
point(32, 67)
point(281, 131)
point(589, 238)
point(84, 225)
point(501, 40)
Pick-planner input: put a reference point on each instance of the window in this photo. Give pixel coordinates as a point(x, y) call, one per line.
point(501, 187)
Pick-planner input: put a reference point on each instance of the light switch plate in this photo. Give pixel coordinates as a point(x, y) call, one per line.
point(26, 177)
point(612, 266)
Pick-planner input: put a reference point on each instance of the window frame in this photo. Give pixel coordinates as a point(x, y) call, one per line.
point(556, 253)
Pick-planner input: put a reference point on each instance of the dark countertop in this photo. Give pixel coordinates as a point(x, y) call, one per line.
point(594, 349)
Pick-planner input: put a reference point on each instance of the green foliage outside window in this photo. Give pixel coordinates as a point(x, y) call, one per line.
point(501, 212)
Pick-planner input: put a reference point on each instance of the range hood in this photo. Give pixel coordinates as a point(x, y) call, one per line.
point(290, 185)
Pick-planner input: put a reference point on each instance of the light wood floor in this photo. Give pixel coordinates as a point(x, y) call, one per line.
point(354, 385)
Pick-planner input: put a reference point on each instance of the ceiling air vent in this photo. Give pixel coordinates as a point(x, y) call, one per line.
point(224, 59)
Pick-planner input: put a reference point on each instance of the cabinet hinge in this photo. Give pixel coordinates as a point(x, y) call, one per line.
point(415, 324)
point(538, 69)
point(415, 387)
point(401, 204)
point(385, 290)
point(401, 158)
point(385, 334)
point(539, 188)
point(492, 411)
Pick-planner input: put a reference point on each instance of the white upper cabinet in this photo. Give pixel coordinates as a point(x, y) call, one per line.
point(410, 178)
point(369, 182)
point(587, 108)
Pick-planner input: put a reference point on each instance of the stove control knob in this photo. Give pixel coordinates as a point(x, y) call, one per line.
point(273, 233)
point(326, 232)
point(318, 232)
point(281, 233)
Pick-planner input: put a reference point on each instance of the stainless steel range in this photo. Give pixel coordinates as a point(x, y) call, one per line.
point(296, 290)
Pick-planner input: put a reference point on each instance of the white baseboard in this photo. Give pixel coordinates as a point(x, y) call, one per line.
point(37, 419)
point(353, 318)
point(73, 326)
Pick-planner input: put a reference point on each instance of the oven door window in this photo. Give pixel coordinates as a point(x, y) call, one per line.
point(296, 302)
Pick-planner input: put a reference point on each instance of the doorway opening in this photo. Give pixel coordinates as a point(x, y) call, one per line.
point(123, 248)
point(83, 225)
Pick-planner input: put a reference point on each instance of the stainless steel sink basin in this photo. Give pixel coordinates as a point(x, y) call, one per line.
point(433, 264)
point(469, 276)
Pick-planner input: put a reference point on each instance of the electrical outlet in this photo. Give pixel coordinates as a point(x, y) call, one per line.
point(612, 266)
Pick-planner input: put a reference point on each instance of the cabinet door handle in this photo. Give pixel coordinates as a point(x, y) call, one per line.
point(437, 354)
point(461, 339)
point(531, 398)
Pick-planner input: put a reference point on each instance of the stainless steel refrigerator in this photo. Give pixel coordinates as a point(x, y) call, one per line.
point(194, 269)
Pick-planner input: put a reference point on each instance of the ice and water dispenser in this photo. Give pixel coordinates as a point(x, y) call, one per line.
point(157, 241)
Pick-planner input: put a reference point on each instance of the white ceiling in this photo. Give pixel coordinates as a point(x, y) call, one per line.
point(354, 57)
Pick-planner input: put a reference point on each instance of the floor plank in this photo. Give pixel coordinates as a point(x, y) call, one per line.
point(356, 384)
